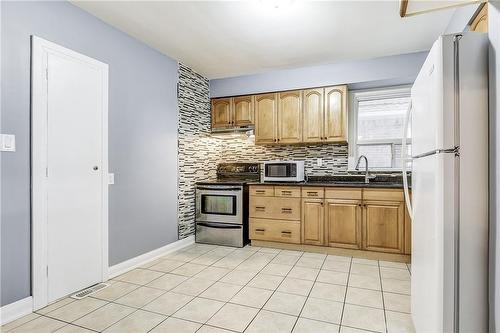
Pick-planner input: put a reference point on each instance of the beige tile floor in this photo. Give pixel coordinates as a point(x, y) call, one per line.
point(214, 289)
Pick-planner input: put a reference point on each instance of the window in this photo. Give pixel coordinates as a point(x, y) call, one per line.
point(376, 127)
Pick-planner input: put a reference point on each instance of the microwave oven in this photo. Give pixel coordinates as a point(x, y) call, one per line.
point(284, 171)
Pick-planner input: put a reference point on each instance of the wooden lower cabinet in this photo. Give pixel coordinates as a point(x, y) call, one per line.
point(275, 230)
point(348, 218)
point(383, 226)
point(343, 221)
point(313, 221)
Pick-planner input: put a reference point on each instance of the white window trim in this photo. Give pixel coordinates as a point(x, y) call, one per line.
point(355, 97)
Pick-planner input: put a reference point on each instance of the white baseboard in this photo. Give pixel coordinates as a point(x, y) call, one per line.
point(150, 256)
point(16, 310)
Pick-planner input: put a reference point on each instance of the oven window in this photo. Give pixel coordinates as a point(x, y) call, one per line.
point(218, 204)
point(276, 170)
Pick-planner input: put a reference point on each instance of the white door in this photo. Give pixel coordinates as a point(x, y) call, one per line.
point(74, 157)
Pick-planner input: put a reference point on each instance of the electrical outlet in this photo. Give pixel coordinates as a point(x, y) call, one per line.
point(319, 162)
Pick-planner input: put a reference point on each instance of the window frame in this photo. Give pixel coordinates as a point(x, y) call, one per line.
point(356, 96)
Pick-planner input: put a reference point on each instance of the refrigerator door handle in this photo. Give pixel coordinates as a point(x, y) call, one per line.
point(404, 160)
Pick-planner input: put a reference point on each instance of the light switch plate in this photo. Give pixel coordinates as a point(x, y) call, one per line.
point(111, 178)
point(319, 162)
point(7, 142)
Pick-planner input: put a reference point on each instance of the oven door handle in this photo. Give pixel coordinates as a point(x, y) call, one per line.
point(219, 226)
point(219, 188)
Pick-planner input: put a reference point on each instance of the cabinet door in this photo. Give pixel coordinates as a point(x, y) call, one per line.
point(312, 115)
point(266, 109)
point(383, 226)
point(243, 110)
point(221, 112)
point(335, 114)
point(313, 221)
point(343, 221)
point(290, 117)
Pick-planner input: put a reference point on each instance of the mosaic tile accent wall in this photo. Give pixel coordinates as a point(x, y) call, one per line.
point(199, 152)
point(243, 149)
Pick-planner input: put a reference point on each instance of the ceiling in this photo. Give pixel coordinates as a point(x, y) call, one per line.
point(231, 38)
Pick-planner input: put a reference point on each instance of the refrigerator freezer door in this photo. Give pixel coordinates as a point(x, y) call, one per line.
point(432, 281)
point(432, 100)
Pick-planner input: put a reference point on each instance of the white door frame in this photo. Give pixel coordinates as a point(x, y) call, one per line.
point(40, 49)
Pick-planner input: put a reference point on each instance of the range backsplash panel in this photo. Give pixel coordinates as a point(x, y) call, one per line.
point(199, 152)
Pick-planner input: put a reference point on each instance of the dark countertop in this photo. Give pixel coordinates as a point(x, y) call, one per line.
point(381, 181)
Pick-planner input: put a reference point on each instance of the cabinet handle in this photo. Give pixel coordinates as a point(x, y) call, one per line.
point(260, 230)
point(286, 192)
point(286, 233)
point(261, 208)
point(286, 210)
point(312, 194)
point(260, 191)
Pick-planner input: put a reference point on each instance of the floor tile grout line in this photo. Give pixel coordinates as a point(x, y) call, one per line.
point(309, 293)
point(345, 295)
point(273, 292)
point(254, 252)
point(242, 288)
point(383, 300)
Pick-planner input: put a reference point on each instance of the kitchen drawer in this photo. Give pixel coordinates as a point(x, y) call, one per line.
point(275, 208)
point(262, 191)
point(313, 192)
point(343, 193)
point(275, 231)
point(383, 194)
point(287, 191)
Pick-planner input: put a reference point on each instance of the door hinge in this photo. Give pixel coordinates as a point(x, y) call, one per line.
point(46, 172)
point(47, 73)
point(47, 270)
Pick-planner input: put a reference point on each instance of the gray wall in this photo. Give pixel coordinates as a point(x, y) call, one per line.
point(400, 69)
point(142, 134)
point(494, 58)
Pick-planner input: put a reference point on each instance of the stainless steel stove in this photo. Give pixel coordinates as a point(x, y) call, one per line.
point(222, 205)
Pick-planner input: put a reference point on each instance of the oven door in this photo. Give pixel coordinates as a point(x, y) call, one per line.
point(219, 203)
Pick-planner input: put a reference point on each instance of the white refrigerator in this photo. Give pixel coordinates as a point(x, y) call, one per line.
point(449, 194)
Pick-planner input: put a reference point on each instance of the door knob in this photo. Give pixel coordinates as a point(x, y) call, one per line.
point(95, 168)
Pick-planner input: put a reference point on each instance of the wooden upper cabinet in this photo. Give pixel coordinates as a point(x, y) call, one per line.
point(383, 226)
point(243, 110)
point(312, 115)
point(221, 112)
point(343, 223)
point(266, 111)
point(480, 22)
point(335, 114)
point(289, 117)
point(313, 221)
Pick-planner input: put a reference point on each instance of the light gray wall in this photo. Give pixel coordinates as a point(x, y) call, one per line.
point(460, 19)
point(400, 69)
point(494, 59)
point(142, 134)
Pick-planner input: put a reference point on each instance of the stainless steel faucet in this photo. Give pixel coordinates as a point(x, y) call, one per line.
point(367, 176)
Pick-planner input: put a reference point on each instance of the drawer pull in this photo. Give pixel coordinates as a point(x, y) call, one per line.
point(260, 191)
point(286, 192)
point(286, 234)
point(286, 210)
point(312, 194)
point(260, 208)
point(260, 230)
